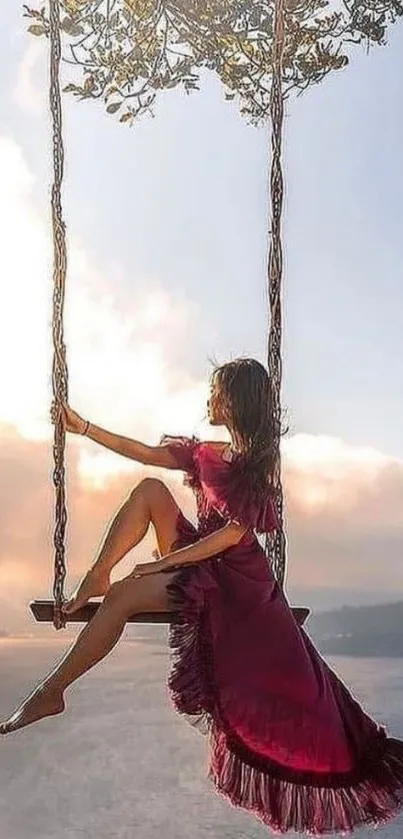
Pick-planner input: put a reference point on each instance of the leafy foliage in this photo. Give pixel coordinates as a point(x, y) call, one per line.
point(126, 52)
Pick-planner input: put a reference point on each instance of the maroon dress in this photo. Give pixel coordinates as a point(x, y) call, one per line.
point(287, 740)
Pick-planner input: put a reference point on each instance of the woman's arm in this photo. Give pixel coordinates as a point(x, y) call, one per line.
point(149, 455)
point(217, 542)
point(161, 455)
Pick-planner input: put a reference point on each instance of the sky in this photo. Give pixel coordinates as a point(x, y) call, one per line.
point(167, 230)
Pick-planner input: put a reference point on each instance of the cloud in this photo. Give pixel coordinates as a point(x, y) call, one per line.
point(119, 348)
point(326, 476)
point(344, 512)
point(339, 546)
point(30, 90)
point(121, 341)
point(345, 515)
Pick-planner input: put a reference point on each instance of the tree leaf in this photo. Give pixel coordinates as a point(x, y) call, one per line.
point(68, 25)
point(89, 84)
point(113, 107)
point(36, 29)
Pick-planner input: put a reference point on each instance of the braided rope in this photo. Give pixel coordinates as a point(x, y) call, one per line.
point(276, 545)
point(59, 366)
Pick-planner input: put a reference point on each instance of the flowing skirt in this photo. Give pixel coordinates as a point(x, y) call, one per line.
point(287, 740)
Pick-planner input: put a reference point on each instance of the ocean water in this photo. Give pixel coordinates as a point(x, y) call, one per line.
point(120, 763)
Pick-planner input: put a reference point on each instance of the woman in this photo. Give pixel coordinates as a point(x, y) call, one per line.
point(287, 740)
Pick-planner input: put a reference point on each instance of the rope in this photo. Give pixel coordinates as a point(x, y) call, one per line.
point(276, 545)
point(59, 366)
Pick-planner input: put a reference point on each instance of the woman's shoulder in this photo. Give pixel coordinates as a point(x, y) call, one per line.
point(193, 454)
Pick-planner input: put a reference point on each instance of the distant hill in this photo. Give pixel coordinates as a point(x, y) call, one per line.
point(360, 630)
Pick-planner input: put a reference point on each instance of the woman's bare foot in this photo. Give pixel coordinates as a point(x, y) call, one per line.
point(95, 583)
point(43, 702)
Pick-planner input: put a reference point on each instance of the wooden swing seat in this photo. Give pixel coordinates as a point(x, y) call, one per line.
point(43, 612)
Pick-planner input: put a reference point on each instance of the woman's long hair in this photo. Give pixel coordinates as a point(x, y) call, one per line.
point(245, 390)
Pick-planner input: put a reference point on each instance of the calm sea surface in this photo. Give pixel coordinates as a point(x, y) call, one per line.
point(119, 763)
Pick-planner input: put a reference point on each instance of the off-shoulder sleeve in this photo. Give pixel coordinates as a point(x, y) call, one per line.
point(260, 516)
point(231, 494)
point(183, 450)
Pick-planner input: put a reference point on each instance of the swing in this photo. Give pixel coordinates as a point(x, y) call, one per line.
point(50, 610)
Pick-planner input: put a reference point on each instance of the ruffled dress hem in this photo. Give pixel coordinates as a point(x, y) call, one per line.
point(282, 798)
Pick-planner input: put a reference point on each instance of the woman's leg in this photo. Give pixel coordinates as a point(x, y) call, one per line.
point(124, 598)
point(152, 502)
point(149, 502)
